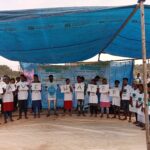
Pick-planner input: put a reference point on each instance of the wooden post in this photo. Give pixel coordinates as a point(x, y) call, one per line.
point(145, 73)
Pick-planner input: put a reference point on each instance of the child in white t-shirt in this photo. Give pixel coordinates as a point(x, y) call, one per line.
point(140, 107)
point(8, 99)
point(22, 89)
point(68, 98)
point(134, 99)
point(36, 96)
point(116, 100)
point(93, 98)
point(104, 99)
point(80, 95)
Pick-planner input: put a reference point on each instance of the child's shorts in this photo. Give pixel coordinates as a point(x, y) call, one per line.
point(104, 104)
point(125, 105)
point(67, 105)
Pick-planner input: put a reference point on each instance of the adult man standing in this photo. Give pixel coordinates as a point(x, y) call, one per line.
point(52, 89)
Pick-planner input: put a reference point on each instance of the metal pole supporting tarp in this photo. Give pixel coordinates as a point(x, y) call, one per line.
point(144, 72)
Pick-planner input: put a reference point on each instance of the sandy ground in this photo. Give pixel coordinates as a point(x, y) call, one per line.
point(71, 133)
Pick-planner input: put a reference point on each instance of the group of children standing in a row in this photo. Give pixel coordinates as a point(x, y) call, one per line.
point(129, 98)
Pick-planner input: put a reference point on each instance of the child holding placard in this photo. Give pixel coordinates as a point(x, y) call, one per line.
point(116, 100)
point(68, 97)
point(22, 89)
point(93, 98)
point(105, 99)
point(134, 99)
point(8, 99)
point(80, 93)
point(36, 95)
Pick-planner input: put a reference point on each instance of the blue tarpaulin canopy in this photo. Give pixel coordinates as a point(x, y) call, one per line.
point(62, 35)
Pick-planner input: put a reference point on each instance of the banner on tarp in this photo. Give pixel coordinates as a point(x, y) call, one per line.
point(110, 70)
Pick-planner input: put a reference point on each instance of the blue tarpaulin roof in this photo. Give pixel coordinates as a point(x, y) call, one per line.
point(62, 35)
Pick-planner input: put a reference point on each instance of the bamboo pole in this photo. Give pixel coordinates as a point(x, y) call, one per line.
point(99, 56)
point(145, 72)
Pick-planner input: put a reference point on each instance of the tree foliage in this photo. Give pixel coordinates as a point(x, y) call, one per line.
point(5, 70)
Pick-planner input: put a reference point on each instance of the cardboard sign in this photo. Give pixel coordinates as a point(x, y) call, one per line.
point(114, 92)
point(104, 88)
point(92, 88)
point(79, 87)
point(36, 86)
point(65, 88)
point(23, 87)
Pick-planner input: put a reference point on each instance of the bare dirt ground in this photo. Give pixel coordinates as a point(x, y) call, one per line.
point(71, 133)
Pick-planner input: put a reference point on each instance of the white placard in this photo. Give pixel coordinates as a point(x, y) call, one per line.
point(12, 87)
point(1, 89)
point(104, 88)
point(65, 88)
point(36, 86)
point(92, 88)
point(79, 87)
point(114, 92)
point(23, 87)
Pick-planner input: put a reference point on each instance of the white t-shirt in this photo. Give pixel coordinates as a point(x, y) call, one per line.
point(134, 95)
point(116, 99)
point(22, 90)
point(126, 93)
point(68, 95)
point(93, 99)
point(140, 101)
point(13, 87)
point(141, 115)
point(51, 89)
point(105, 97)
point(104, 88)
point(36, 94)
point(80, 95)
point(8, 96)
point(2, 85)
